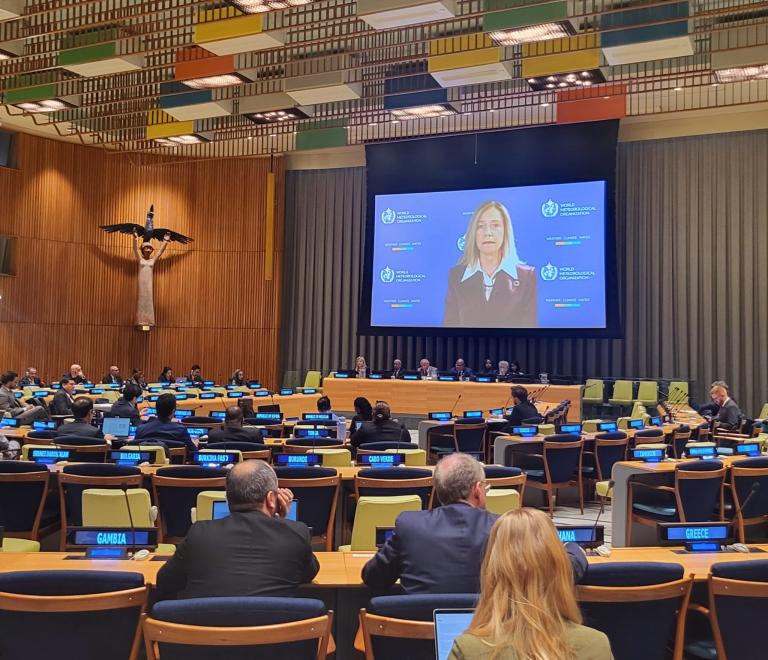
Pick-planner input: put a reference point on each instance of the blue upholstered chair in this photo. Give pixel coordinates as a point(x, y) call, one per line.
point(257, 629)
point(175, 491)
point(248, 449)
point(561, 467)
point(103, 621)
point(304, 445)
point(395, 481)
point(609, 449)
point(402, 626)
point(85, 449)
point(317, 491)
point(680, 438)
point(23, 496)
point(655, 594)
point(738, 608)
point(74, 479)
point(384, 446)
point(647, 436)
point(744, 475)
point(697, 496)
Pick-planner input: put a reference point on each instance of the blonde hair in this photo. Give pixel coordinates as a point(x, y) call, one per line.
point(527, 596)
point(358, 358)
point(471, 256)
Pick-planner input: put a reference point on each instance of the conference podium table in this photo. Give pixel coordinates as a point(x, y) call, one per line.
point(420, 397)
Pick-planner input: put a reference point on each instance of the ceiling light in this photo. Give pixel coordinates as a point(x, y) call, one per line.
point(678, 89)
point(259, 6)
point(424, 112)
point(741, 73)
point(566, 79)
point(388, 14)
point(209, 82)
point(531, 33)
point(177, 140)
point(4, 55)
point(276, 116)
point(545, 105)
point(49, 105)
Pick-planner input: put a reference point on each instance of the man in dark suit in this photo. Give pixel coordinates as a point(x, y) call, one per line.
point(113, 377)
point(523, 409)
point(125, 406)
point(382, 429)
point(25, 413)
point(76, 373)
point(163, 427)
point(82, 411)
point(455, 534)
point(62, 400)
point(397, 368)
point(461, 370)
point(195, 375)
point(30, 379)
point(255, 551)
point(729, 415)
point(233, 429)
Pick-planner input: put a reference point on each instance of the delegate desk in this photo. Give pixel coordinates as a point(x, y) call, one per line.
point(419, 397)
point(294, 405)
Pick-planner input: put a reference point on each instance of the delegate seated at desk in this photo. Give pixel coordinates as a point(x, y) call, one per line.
point(233, 429)
point(522, 410)
point(456, 534)
point(255, 551)
point(82, 411)
point(382, 429)
point(163, 427)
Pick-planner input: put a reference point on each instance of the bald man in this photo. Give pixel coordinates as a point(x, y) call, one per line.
point(255, 551)
point(113, 377)
point(76, 373)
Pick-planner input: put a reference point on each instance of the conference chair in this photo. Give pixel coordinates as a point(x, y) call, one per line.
point(622, 395)
point(680, 438)
point(336, 457)
point(238, 628)
point(738, 604)
point(744, 476)
point(468, 438)
point(203, 509)
point(403, 626)
point(372, 512)
point(381, 482)
point(648, 393)
point(313, 380)
point(703, 432)
point(439, 440)
point(175, 490)
point(202, 421)
point(382, 446)
point(608, 449)
point(85, 450)
point(249, 450)
point(317, 491)
point(764, 411)
point(109, 508)
point(306, 445)
point(507, 488)
point(413, 456)
point(71, 614)
point(175, 450)
point(74, 479)
point(593, 395)
point(647, 436)
point(696, 496)
point(678, 392)
point(656, 594)
point(39, 437)
point(23, 499)
point(561, 467)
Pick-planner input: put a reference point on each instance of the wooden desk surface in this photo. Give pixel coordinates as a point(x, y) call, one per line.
point(418, 397)
point(670, 464)
point(343, 569)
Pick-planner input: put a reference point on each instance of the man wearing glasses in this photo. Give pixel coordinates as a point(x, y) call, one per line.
point(440, 551)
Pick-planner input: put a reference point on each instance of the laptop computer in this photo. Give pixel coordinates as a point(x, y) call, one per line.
point(119, 427)
point(449, 624)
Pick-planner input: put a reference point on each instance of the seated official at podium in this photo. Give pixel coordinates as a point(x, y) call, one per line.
point(502, 373)
point(382, 429)
point(425, 370)
point(397, 369)
point(82, 411)
point(113, 377)
point(523, 409)
point(461, 370)
point(255, 551)
point(362, 370)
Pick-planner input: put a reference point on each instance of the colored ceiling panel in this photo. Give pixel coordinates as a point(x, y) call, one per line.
point(388, 14)
point(322, 138)
point(184, 104)
point(467, 60)
point(227, 31)
point(96, 53)
point(323, 88)
point(521, 24)
point(580, 53)
point(162, 125)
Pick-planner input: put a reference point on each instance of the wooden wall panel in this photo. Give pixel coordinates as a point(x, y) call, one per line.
point(74, 295)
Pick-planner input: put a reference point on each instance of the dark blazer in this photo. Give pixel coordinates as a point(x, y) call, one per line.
point(512, 304)
point(244, 554)
point(467, 373)
point(123, 408)
point(164, 429)
point(387, 431)
point(397, 373)
point(79, 380)
point(79, 428)
point(108, 380)
point(729, 414)
point(521, 411)
point(30, 382)
point(235, 434)
point(456, 535)
point(367, 372)
point(61, 403)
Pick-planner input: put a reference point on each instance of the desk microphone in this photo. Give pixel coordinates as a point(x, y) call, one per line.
point(602, 550)
point(752, 492)
point(504, 407)
point(124, 488)
point(456, 403)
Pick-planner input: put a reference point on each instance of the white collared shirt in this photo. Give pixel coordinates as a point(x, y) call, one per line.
point(508, 265)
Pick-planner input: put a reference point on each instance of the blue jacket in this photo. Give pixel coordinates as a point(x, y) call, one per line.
point(159, 429)
point(440, 551)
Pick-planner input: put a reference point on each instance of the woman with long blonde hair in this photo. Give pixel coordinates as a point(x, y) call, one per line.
point(527, 608)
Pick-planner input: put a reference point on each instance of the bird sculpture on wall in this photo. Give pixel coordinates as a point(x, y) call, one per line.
point(148, 231)
point(145, 302)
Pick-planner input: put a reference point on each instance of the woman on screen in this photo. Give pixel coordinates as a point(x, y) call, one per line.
point(527, 608)
point(491, 286)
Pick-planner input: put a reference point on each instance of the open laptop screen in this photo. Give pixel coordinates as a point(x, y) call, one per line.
point(449, 624)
